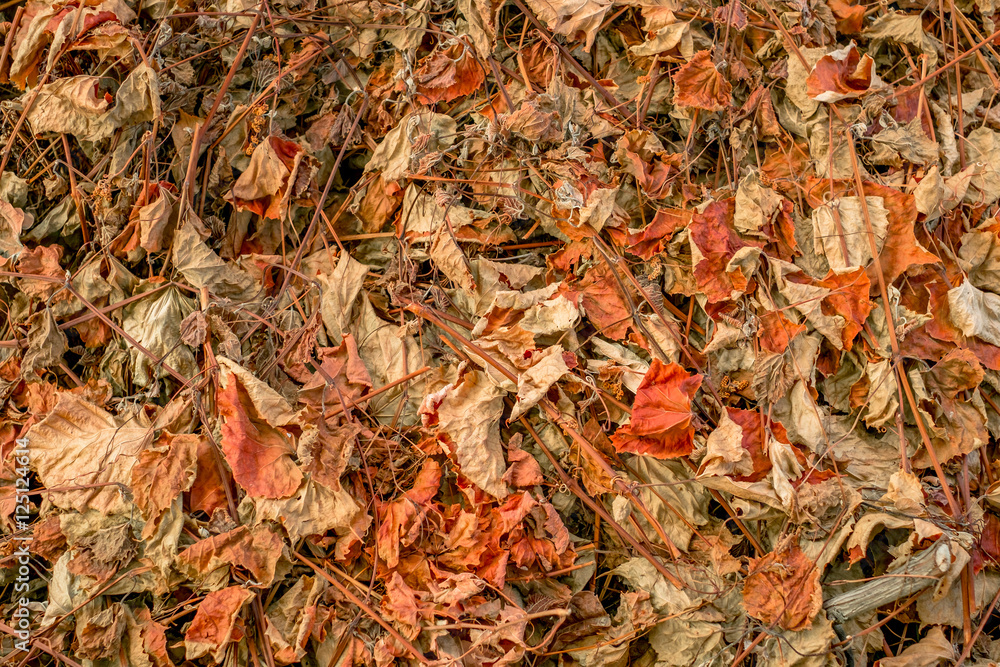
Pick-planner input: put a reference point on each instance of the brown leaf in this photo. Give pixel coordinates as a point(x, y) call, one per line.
point(448, 73)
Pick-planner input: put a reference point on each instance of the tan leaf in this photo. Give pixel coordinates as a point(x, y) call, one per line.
point(80, 445)
point(854, 228)
point(576, 19)
point(202, 267)
point(466, 417)
point(724, 452)
point(313, 510)
point(155, 322)
point(547, 367)
point(933, 649)
point(46, 345)
point(975, 312)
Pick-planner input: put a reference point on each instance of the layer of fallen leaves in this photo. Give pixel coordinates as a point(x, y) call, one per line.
point(576, 332)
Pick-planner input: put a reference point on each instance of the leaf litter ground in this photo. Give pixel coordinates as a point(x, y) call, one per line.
point(495, 333)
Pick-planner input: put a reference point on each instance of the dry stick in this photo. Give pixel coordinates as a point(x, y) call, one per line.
point(75, 191)
point(307, 236)
point(199, 135)
point(982, 624)
point(961, 115)
point(933, 74)
point(44, 648)
point(104, 318)
point(365, 608)
point(968, 592)
point(654, 79)
point(891, 322)
point(21, 119)
point(968, 25)
point(959, 19)
point(89, 316)
point(616, 261)
point(503, 88)
point(597, 509)
point(367, 397)
point(553, 413)
point(9, 42)
point(38, 88)
point(918, 573)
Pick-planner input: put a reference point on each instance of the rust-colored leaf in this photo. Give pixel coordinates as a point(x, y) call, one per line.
point(783, 588)
point(699, 84)
point(259, 454)
point(661, 423)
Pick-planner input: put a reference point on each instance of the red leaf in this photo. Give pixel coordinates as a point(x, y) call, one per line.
point(731, 14)
point(661, 418)
point(754, 437)
point(849, 299)
point(989, 541)
point(654, 237)
point(712, 231)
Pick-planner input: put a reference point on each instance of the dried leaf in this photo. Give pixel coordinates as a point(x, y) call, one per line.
point(783, 588)
point(661, 417)
point(701, 86)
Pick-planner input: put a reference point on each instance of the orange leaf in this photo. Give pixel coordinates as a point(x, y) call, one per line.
point(776, 331)
point(849, 299)
point(601, 299)
point(783, 587)
point(840, 75)
point(214, 623)
point(208, 493)
point(700, 85)
point(259, 454)
point(850, 18)
point(255, 551)
point(661, 419)
point(164, 472)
